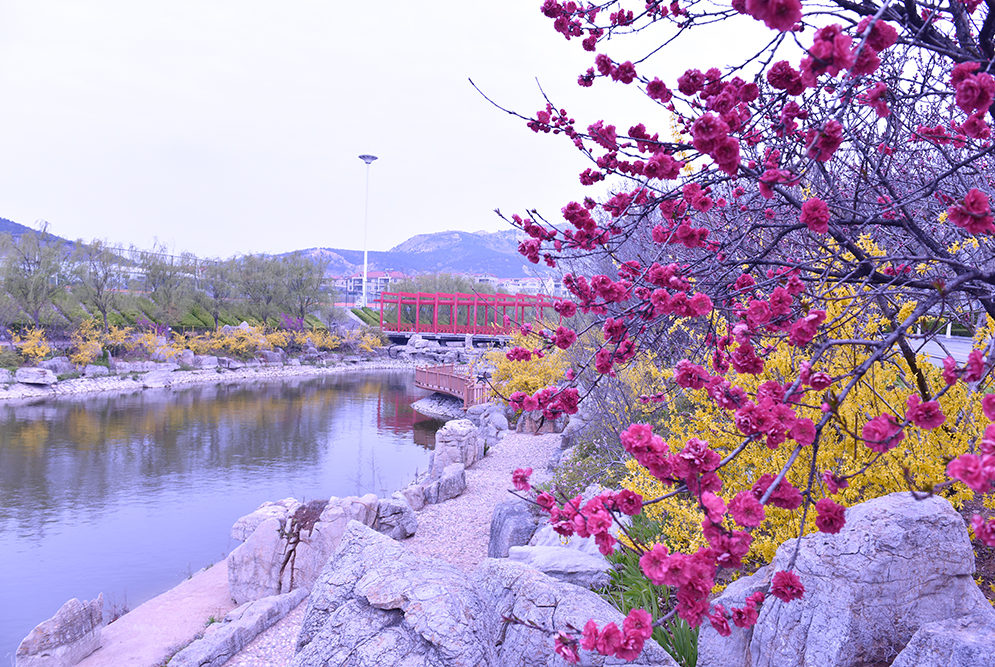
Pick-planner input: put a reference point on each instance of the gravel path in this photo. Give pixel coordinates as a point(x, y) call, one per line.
point(457, 531)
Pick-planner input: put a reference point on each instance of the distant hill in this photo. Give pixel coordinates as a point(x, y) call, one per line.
point(12, 228)
point(495, 253)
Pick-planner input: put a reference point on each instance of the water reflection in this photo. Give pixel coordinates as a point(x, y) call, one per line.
point(124, 493)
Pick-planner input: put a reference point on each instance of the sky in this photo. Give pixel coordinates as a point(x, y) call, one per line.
point(224, 128)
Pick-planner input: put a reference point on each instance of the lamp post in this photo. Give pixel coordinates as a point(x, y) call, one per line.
point(368, 159)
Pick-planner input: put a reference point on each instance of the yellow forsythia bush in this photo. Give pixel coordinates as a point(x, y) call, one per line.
point(527, 376)
point(922, 455)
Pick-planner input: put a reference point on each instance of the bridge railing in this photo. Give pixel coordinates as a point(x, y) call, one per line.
point(448, 379)
point(484, 314)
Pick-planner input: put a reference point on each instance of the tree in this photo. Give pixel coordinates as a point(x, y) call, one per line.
point(260, 283)
point(99, 275)
point(33, 270)
point(303, 282)
point(815, 206)
point(218, 285)
point(165, 278)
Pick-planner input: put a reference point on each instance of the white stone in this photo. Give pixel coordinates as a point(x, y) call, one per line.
point(66, 638)
point(39, 376)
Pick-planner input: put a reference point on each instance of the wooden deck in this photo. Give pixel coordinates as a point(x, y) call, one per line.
point(449, 379)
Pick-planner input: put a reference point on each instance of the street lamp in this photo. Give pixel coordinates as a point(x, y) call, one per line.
point(368, 159)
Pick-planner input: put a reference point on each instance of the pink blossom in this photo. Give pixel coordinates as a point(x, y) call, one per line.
point(974, 370)
point(988, 406)
point(629, 502)
point(950, 373)
point(803, 431)
point(545, 500)
point(987, 444)
point(970, 469)
point(820, 381)
point(566, 647)
point(564, 338)
point(745, 617)
point(786, 586)
point(831, 517)
point(815, 215)
point(719, 621)
point(804, 330)
point(746, 510)
point(609, 639)
point(924, 415)
point(654, 564)
point(974, 214)
point(875, 98)
point(520, 478)
point(776, 14)
point(984, 531)
point(638, 623)
point(714, 507)
point(833, 482)
point(689, 375)
point(589, 638)
point(882, 433)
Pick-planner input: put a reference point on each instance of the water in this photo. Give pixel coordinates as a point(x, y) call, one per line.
point(130, 494)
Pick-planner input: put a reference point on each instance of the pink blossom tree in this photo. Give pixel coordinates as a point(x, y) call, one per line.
point(851, 152)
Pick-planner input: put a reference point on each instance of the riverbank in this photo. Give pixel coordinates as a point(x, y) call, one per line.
point(456, 531)
point(135, 382)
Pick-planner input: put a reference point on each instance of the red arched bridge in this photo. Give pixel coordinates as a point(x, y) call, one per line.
point(454, 381)
point(455, 315)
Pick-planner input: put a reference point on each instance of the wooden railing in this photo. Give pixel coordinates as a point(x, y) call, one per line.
point(448, 379)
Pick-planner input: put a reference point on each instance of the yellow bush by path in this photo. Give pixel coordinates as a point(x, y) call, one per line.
point(527, 376)
point(33, 344)
point(922, 453)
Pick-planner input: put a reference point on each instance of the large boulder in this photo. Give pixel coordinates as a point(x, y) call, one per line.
point(450, 485)
point(58, 365)
point(376, 603)
point(66, 638)
point(456, 442)
point(37, 376)
point(899, 565)
point(512, 525)
point(395, 518)
point(569, 565)
point(290, 543)
point(968, 641)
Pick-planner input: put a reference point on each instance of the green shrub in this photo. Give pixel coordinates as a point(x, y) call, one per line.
point(629, 589)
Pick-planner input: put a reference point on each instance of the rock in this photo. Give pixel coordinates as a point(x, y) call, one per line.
point(224, 639)
point(318, 543)
point(456, 442)
point(571, 434)
point(294, 362)
point(395, 518)
point(280, 510)
point(66, 638)
point(536, 423)
point(513, 589)
point(376, 603)
point(512, 525)
point(968, 641)
point(205, 361)
point(439, 406)
point(255, 568)
point(58, 365)
point(898, 565)
point(569, 565)
point(157, 380)
point(185, 357)
point(415, 495)
point(40, 376)
point(94, 371)
point(6, 377)
point(270, 357)
point(453, 482)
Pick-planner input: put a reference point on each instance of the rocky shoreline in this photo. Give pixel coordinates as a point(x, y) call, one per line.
point(172, 376)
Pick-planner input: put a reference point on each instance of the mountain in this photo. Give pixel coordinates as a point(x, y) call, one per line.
point(495, 253)
point(12, 228)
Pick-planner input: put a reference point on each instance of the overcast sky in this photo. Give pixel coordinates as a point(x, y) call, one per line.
point(235, 127)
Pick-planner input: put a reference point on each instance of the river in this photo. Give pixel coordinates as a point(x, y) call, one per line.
point(130, 494)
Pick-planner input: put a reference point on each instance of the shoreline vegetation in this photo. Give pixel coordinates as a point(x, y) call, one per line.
point(168, 377)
